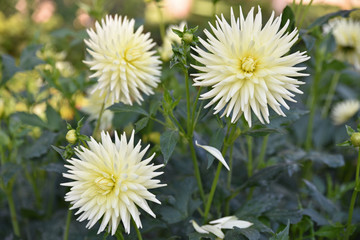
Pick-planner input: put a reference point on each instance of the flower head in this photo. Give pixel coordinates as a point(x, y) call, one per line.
point(93, 107)
point(215, 226)
point(122, 59)
point(247, 68)
point(347, 36)
point(110, 180)
point(343, 111)
point(166, 49)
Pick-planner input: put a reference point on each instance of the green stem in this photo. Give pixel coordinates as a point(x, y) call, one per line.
point(196, 170)
point(250, 158)
point(188, 110)
point(263, 151)
point(353, 199)
point(227, 202)
point(161, 24)
point(138, 233)
point(99, 119)
point(119, 235)
point(8, 191)
point(330, 95)
point(193, 119)
point(67, 225)
point(212, 190)
point(313, 97)
point(228, 139)
point(304, 14)
point(230, 166)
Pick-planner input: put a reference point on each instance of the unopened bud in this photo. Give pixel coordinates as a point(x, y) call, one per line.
point(71, 136)
point(188, 37)
point(355, 139)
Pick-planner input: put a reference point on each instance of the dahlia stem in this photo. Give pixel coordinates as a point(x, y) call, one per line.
point(8, 191)
point(353, 199)
point(313, 97)
point(138, 233)
point(96, 129)
point(190, 131)
point(188, 110)
point(196, 170)
point(250, 158)
point(67, 225)
point(161, 24)
point(228, 139)
point(227, 203)
point(330, 95)
point(263, 151)
point(193, 118)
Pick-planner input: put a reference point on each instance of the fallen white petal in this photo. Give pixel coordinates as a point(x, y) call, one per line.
point(216, 153)
point(198, 228)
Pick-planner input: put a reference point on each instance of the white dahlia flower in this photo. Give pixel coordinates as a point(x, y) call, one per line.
point(110, 180)
point(93, 107)
point(215, 226)
point(347, 36)
point(343, 111)
point(165, 50)
point(247, 68)
point(123, 60)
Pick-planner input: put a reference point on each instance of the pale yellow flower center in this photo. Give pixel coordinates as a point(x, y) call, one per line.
point(105, 184)
point(248, 64)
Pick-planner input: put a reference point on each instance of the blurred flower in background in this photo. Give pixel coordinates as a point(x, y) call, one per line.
point(165, 50)
point(344, 110)
point(94, 105)
point(346, 32)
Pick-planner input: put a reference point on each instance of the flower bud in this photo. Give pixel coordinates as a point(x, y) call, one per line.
point(188, 37)
point(355, 139)
point(71, 136)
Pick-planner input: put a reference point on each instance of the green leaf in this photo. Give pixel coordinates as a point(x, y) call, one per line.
point(154, 106)
point(9, 68)
point(28, 58)
point(216, 141)
point(257, 206)
point(54, 119)
point(139, 125)
point(259, 131)
point(330, 231)
point(59, 151)
point(283, 235)
point(267, 174)
point(54, 167)
point(288, 15)
point(8, 171)
point(235, 234)
point(349, 130)
point(4, 138)
point(31, 119)
point(331, 160)
point(323, 19)
point(315, 216)
point(40, 146)
point(284, 215)
point(121, 107)
point(168, 141)
point(323, 202)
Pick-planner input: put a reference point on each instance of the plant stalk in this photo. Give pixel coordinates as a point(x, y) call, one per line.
point(8, 191)
point(96, 129)
point(67, 225)
point(330, 95)
point(353, 198)
point(138, 233)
